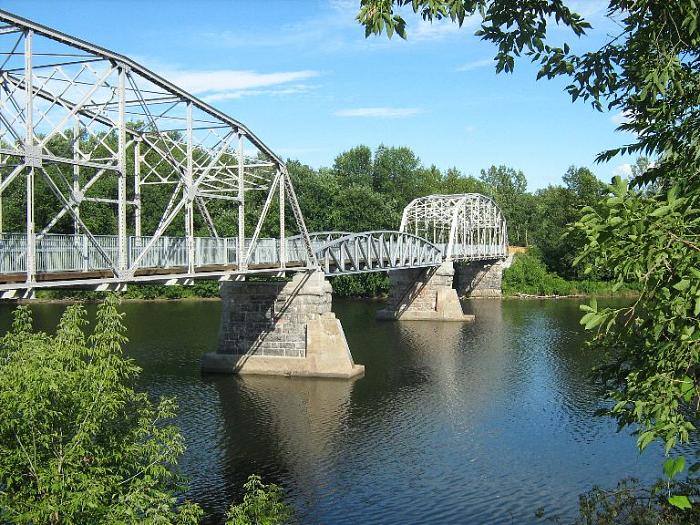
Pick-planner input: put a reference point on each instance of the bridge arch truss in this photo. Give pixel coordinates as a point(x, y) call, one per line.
point(90, 127)
point(468, 226)
point(342, 253)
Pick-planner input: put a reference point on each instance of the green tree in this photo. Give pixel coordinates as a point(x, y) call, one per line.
point(509, 188)
point(77, 443)
point(649, 69)
point(557, 208)
point(355, 166)
point(453, 181)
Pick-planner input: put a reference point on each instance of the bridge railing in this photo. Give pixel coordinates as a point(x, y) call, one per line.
point(76, 253)
point(477, 251)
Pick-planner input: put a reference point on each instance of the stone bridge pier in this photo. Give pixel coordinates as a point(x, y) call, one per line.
point(424, 294)
point(480, 278)
point(432, 294)
point(281, 328)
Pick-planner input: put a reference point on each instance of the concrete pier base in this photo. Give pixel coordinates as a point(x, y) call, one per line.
point(281, 328)
point(424, 295)
point(480, 279)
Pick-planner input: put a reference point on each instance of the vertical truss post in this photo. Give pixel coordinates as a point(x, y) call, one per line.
point(29, 157)
point(242, 262)
point(122, 262)
point(283, 236)
point(137, 187)
point(2, 164)
point(189, 195)
point(76, 175)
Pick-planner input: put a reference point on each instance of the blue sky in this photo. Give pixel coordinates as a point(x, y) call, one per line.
point(302, 76)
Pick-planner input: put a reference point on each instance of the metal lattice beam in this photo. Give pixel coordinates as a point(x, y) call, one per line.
point(81, 117)
point(466, 226)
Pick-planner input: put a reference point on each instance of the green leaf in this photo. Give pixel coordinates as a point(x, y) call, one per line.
point(687, 388)
point(661, 211)
point(594, 321)
point(682, 502)
point(674, 466)
point(682, 285)
point(645, 439)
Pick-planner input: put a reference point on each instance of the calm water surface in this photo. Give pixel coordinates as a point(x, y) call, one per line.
point(452, 423)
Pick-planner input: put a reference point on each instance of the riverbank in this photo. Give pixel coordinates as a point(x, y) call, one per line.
point(528, 277)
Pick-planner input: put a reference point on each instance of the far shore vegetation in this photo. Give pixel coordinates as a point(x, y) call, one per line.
point(367, 190)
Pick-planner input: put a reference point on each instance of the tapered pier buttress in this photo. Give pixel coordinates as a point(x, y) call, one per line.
point(424, 294)
point(281, 328)
point(480, 278)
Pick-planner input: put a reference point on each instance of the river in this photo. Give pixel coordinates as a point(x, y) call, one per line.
point(452, 423)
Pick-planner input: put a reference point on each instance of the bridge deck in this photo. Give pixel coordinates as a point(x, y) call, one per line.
point(76, 260)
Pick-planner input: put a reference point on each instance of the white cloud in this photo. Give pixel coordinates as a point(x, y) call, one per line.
point(621, 117)
point(476, 64)
point(226, 80)
point(378, 112)
point(623, 170)
point(437, 29)
point(236, 94)
point(229, 84)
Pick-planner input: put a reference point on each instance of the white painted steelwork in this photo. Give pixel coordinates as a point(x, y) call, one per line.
point(376, 251)
point(96, 127)
point(467, 226)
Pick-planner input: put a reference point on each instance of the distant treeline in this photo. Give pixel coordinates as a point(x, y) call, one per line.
point(362, 190)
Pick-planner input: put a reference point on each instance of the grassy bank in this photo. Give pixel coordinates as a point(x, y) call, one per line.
point(529, 276)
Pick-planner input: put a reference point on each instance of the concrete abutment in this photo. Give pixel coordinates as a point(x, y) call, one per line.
point(281, 328)
point(432, 294)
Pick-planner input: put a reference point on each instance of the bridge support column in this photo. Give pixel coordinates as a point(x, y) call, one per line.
point(480, 278)
point(281, 328)
point(424, 294)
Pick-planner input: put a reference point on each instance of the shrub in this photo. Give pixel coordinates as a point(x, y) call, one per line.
point(262, 505)
point(77, 443)
point(630, 503)
point(528, 275)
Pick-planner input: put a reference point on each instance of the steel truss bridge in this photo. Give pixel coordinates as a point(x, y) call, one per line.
point(87, 132)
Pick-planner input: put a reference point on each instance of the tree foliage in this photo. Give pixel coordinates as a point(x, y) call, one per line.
point(649, 70)
point(653, 345)
point(77, 443)
point(262, 505)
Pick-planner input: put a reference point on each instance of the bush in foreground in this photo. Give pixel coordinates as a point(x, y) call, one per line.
point(262, 505)
point(77, 443)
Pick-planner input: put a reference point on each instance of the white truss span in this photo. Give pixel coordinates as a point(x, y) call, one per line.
point(467, 226)
point(376, 252)
point(98, 132)
point(93, 126)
